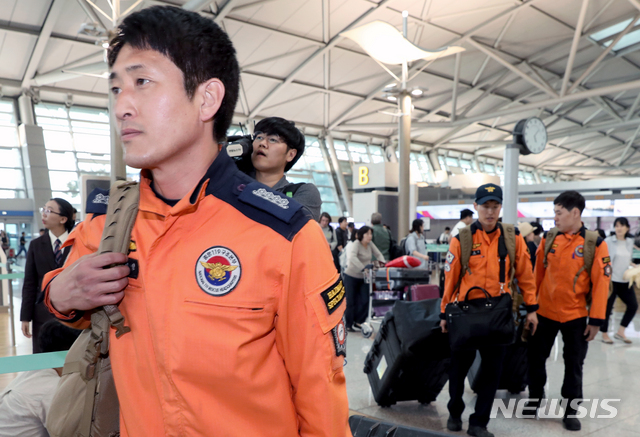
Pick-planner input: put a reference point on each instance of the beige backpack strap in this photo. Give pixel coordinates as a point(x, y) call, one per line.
point(588, 255)
point(548, 244)
point(510, 241)
point(466, 245)
point(116, 236)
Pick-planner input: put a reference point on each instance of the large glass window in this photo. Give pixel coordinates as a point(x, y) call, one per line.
point(12, 182)
point(78, 142)
point(311, 168)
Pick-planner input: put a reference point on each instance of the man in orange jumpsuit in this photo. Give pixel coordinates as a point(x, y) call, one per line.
point(484, 271)
point(233, 301)
point(563, 304)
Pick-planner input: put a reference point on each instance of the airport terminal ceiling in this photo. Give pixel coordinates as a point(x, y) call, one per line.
point(573, 63)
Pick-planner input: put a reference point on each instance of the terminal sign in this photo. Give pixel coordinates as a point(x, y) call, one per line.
point(363, 175)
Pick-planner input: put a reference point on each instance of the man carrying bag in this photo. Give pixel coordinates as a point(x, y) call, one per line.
point(486, 272)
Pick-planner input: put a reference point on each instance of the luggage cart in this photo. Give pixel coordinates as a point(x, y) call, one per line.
point(369, 278)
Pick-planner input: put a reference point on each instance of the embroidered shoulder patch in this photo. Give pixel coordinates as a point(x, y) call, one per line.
point(339, 334)
point(333, 296)
point(607, 270)
point(97, 201)
point(606, 259)
point(450, 257)
point(275, 203)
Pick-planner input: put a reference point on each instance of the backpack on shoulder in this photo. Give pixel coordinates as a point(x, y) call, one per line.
point(86, 403)
point(589, 254)
point(506, 246)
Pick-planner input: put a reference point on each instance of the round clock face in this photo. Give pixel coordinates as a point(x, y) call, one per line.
point(534, 135)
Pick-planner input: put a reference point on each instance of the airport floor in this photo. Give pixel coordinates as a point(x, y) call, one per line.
point(610, 372)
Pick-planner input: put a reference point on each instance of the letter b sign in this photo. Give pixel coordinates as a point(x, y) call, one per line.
point(363, 175)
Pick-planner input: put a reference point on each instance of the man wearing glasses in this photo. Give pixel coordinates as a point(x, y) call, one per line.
point(277, 146)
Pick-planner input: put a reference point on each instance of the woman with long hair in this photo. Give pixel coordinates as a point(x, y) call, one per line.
point(45, 254)
point(359, 254)
point(620, 250)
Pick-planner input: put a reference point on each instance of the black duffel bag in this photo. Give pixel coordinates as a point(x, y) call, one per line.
point(476, 323)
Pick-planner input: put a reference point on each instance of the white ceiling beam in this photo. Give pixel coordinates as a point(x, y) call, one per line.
point(574, 46)
point(490, 52)
point(69, 72)
point(585, 130)
point(196, 5)
point(597, 61)
point(595, 92)
point(332, 43)
point(629, 144)
point(43, 39)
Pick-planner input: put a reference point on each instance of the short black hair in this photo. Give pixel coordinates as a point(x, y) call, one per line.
point(341, 219)
point(351, 225)
point(55, 337)
point(465, 213)
point(195, 44)
point(287, 130)
point(621, 220)
point(363, 230)
point(537, 228)
point(447, 228)
point(415, 225)
point(569, 200)
point(66, 210)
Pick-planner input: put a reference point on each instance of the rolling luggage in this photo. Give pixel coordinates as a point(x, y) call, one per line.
point(514, 367)
point(383, 301)
point(367, 427)
point(410, 357)
point(396, 278)
point(422, 292)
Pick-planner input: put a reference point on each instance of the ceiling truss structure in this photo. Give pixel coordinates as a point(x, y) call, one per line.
point(569, 79)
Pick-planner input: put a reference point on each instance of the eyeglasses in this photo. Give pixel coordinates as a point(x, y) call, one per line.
point(48, 211)
point(271, 139)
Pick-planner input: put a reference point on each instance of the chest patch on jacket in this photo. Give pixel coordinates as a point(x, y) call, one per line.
point(579, 252)
point(475, 252)
point(218, 271)
point(333, 296)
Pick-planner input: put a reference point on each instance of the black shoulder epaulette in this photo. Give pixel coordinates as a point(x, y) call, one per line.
point(545, 234)
point(599, 241)
point(275, 203)
point(97, 202)
point(517, 230)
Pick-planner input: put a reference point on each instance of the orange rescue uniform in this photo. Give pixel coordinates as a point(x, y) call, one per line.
point(235, 315)
point(484, 268)
point(558, 299)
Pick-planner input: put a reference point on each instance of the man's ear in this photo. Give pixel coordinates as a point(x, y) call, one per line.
point(291, 153)
point(211, 94)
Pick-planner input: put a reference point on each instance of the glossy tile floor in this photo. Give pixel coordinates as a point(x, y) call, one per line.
point(610, 372)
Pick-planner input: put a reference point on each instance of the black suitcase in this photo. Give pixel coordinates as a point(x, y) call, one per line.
point(366, 427)
point(396, 278)
point(410, 356)
point(514, 367)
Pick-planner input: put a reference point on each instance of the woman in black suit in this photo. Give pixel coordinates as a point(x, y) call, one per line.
point(45, 254)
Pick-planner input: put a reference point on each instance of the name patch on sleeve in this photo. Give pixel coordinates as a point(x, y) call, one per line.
point(339, 334)
point(606, 259)
point(333, 296)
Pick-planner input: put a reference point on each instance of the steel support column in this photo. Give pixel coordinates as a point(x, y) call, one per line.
point(404, 178)
point(510, 198)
